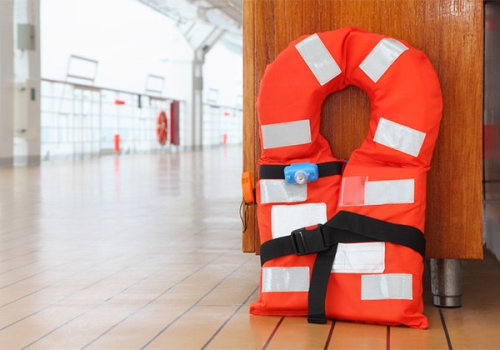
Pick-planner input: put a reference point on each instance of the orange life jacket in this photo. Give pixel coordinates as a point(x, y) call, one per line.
point(366, 262)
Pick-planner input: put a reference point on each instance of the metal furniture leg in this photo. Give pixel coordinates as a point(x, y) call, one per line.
point(446, 282)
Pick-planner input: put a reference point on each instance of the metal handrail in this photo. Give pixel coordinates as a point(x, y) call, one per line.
point(214, 105)
point(99, 88)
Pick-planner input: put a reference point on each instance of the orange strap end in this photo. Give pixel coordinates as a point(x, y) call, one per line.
point(247, 187)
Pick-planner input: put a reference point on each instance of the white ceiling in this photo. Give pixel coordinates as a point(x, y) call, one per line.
point(199, 20)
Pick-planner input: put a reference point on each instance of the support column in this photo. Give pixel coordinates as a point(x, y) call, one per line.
point(199, 52)
point(27, 82)
point(446, 282)
point(6, 82)
point(197, 96)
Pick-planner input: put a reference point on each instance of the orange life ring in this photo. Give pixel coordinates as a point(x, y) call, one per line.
point(161, 128)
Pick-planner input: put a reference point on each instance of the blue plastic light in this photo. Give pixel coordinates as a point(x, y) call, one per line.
point(301, 173)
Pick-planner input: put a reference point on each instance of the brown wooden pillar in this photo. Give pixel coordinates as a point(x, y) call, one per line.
point(450, 32)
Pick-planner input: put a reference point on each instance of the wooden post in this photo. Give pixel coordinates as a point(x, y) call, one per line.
point(450, 32)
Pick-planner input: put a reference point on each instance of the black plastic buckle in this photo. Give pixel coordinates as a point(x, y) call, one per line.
point(308, 241)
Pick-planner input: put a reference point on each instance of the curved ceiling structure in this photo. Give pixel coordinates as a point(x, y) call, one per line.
point(202, 21)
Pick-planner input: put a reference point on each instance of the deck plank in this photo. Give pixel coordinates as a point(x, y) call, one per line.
point(349, 335)
point(476, 324)
point(297, 333)
point(431, 338)
point(244, 331)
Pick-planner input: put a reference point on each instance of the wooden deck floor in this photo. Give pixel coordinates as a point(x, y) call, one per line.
point(143, 251)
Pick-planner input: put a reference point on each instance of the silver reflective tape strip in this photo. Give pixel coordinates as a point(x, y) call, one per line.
point(381, 58)
point(278, 191)
point(399, 137)
point(318, 59)
point(286, 218)
point(389, 192)
point(359, 258)
point(286, 134)
point(387, 286)
point(285, 279)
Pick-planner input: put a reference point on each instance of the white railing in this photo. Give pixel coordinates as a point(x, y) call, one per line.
point(81, 120)
point(222, 124)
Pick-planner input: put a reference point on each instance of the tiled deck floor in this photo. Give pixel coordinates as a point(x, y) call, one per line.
point(143, 251)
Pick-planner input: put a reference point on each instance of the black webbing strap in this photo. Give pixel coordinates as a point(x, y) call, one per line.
point(345, 227)
point(319, 283)
point(276, 171)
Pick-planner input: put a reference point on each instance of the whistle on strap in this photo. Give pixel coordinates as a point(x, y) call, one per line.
point(247, 188)
point(301, 173)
